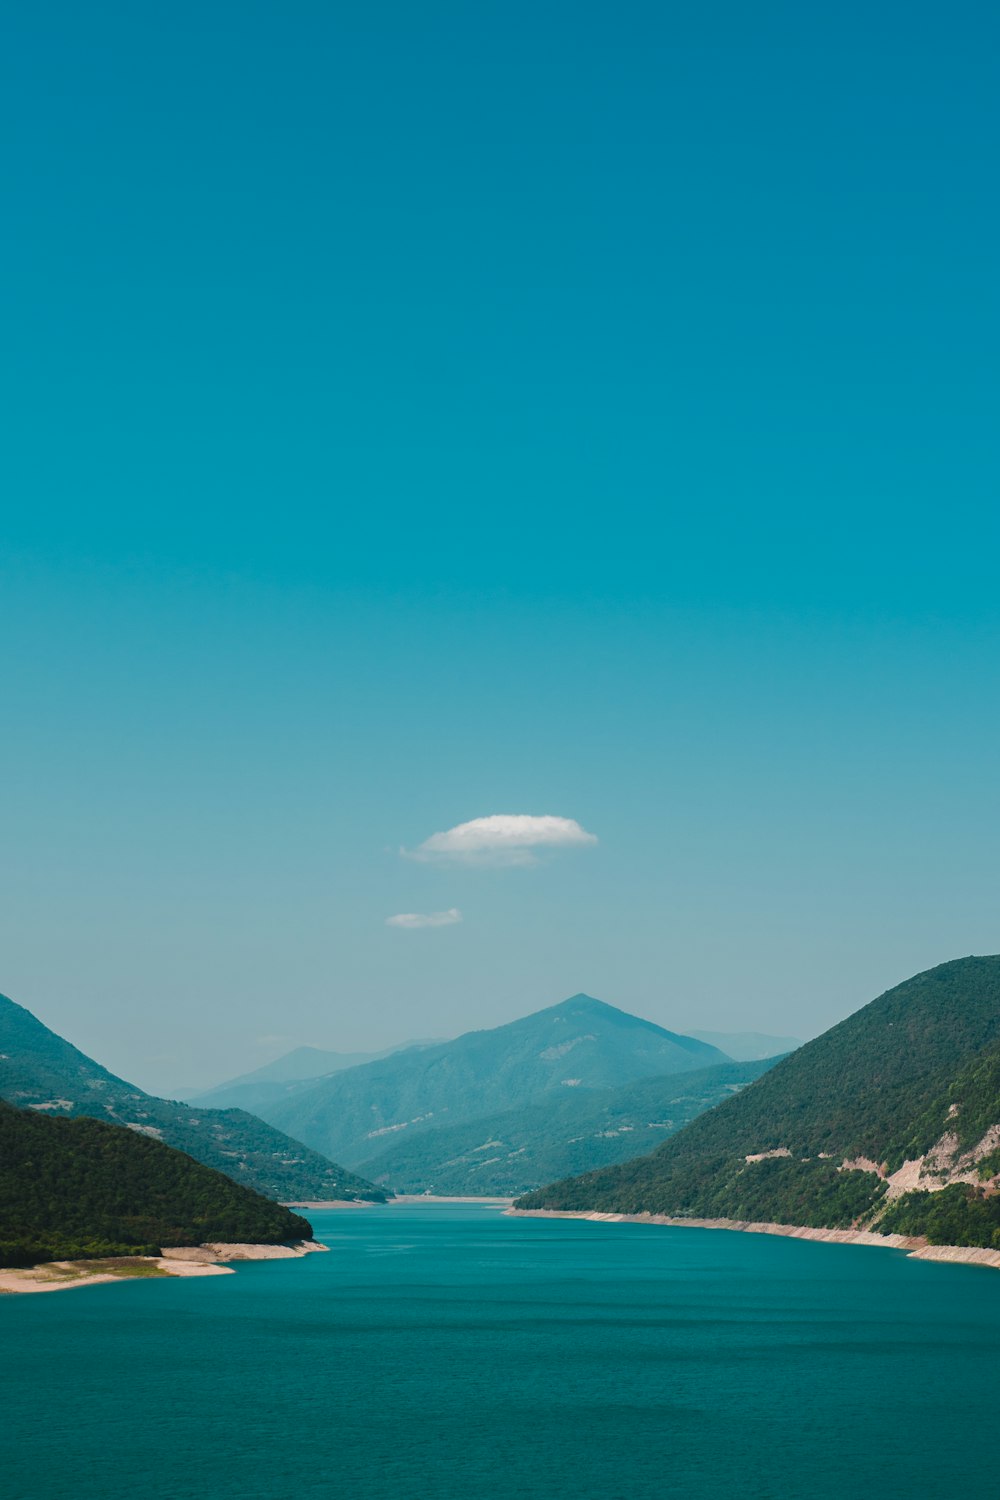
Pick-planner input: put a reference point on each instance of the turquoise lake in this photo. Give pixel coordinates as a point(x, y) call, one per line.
point(444, 1350)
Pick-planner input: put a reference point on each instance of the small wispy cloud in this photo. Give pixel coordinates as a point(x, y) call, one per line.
point(502, 839)
point(413, 919)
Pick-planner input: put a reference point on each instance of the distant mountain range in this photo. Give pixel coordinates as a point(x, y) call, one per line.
point(569, 1130)
point(580, 1044)
point(266, 1084)
point(749, 1046)
point(80, 1188)
point(42, 1072)
point(890, 1120)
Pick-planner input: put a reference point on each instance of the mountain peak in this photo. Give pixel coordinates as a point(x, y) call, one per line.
point(583, 1004)
point(585, 1007)
point(580, 1043)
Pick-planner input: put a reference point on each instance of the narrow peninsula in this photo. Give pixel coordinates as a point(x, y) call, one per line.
point(81, 1200)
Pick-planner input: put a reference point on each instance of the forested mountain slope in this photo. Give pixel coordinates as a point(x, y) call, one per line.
point(574, 1130)
point(79, 1188)
point(581, 1043)
point(889, 1120)
point(41, 1071)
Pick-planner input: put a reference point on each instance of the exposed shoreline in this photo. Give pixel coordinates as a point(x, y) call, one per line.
point(400, 1198)
point(181, 1260)
point(916, 1246)
point(336, 1203)
point(447, 1198)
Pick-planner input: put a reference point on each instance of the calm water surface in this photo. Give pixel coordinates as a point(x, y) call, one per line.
point(447, 1351)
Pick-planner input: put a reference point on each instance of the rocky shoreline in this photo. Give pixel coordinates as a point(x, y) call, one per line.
point(917, 1247)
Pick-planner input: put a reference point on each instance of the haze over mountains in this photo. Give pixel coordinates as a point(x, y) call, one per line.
point(42, 1072)
point(581, 1044)
point(749, 1046)
point(578, 1085)
point(890, 1120)
point(513, 1149)
point(267, 1083)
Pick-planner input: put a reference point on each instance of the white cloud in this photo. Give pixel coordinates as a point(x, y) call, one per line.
point(412, 919)
point(503, 839)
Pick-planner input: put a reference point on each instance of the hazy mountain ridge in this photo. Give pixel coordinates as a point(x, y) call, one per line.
point(749, 1046)
point(573, 1131)
point(303, 1065)
point(41, 1071)
point(889, 1120)
point(582, 1043)
point(79, 1188)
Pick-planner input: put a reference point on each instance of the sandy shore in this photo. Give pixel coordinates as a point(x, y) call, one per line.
point(916, 1245)
point(181, 1260)
point(446, 1198)
point(211, 1254)
point(337, 1203)
point(399, 1198)
point(62, 1275)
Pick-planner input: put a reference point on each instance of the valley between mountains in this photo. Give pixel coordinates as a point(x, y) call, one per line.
point(887, 1126)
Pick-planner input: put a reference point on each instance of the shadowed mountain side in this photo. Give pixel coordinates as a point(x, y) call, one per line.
point(582, 1043)
point(81, 1188)
point(41, 1071)
point(890, 1120)
point(573, 1131)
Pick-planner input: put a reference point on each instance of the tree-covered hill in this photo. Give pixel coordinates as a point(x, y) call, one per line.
point(574, 1130)
point(913, 1077)
point(41, 1071)
point(80, 1188)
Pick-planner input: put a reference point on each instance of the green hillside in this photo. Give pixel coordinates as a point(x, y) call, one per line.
point(913, 1077)
point(572, 1131)
point(581, 1043)
point(41, 1071)
point(80, 1188)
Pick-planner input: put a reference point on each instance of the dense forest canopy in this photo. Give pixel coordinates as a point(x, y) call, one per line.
point(80, 1188)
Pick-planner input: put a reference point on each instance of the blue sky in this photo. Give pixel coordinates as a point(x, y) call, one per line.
point(417, 414)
